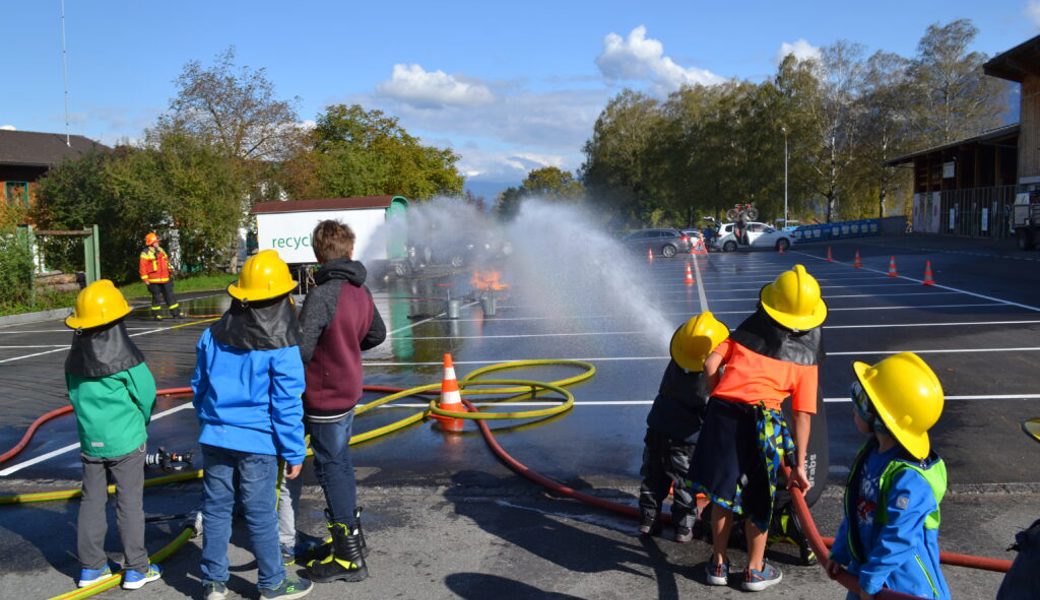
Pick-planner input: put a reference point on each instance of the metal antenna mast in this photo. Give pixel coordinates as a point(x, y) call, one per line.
point(65, 71)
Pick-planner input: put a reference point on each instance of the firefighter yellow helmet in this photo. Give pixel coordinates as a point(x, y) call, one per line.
point(794, 300)
point(100, 303)
point(264, 276)
point(906, 395)
point(695, 339)
point(150, 238)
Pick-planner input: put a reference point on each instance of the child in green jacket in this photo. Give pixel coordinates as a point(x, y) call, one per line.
point(112, 392)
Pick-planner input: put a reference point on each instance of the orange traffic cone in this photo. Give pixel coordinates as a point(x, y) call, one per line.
point(649, 255)
point(928, 273)
point(688, 280)
point(892, 267)
point(829, 257)
point(451, 398)
point(857, 262)
point(780, 248)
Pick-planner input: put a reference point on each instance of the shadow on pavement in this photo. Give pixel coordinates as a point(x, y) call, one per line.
point(546, 533)
point(474, 586)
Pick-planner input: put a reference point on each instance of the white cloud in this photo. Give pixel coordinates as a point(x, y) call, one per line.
point(802, 50)
point(430, 89)
point(483, 165)
point(8, 128)
point(1033, 11)
point(501, 141)
point(638, 58)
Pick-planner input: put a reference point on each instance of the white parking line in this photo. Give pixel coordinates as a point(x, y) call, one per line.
point(71, 447)
point(828, 400)
point(944, 287)
point(69, 331)
point(826, 297)
point(594, 359)
point(39, 346)
point(654, 333)
point(66, 347)
point(738, 312)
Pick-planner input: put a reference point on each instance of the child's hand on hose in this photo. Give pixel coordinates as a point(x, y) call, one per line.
point(799, 479)
point(834, 569)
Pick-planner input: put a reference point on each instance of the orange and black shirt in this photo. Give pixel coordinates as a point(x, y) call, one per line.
point(750, 378)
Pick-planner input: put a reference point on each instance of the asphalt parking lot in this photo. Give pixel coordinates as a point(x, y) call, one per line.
point(446, 519)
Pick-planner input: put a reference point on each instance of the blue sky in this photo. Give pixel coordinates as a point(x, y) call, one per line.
point(509, 86)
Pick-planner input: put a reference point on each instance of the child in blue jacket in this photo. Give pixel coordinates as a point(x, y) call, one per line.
point(889, 537)
point(248, 384)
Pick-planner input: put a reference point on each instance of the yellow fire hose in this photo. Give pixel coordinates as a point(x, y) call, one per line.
point(513, 389)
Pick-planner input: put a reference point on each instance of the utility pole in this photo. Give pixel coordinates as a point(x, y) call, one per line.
point(784, 129)
point(65, 72)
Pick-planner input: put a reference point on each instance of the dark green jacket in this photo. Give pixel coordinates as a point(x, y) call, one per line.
point(112, 411)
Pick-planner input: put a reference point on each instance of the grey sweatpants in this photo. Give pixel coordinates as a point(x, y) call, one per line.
point(127, 472)
point(288, 499)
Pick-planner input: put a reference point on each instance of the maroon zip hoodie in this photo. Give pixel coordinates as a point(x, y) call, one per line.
point(339, 320)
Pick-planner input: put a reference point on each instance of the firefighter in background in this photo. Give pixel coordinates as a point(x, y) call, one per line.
point(155, 273)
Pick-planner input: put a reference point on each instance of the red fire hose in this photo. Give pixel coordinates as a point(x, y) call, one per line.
point(818, 543)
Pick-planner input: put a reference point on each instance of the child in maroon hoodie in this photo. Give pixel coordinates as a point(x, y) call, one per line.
point(339, 321)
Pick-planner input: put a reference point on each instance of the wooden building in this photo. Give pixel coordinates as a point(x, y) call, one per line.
point(25, 156)
point(1021, 64)
point(967, 187)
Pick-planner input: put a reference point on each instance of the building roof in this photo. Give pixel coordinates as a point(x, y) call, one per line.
point(993, 135)
point(1016, 63)
point(35, 149)
point(323, 204)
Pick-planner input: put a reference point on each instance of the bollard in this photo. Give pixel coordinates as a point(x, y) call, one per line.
point(454, 308)
point(489, 303)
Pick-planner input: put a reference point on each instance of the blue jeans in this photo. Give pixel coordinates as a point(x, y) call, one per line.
point(257, 475)
point(333, 467)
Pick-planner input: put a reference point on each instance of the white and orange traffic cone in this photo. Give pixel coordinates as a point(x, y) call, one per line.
point(451, 398)
point(780, 248)
point(857, 262)
point(829, 257)
point(928, 273)
point(649, 255)
point(892, 267)
point(688, 279)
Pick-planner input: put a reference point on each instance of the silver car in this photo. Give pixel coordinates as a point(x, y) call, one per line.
point(759, 235)
point(664, 241)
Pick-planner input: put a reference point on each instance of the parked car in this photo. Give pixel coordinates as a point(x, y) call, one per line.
point(663, 241)
point(759, 235)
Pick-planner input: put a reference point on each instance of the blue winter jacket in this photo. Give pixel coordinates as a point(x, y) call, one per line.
point(898, 551)
point(250, 400)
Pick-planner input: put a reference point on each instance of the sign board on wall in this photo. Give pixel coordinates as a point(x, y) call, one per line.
point(949, 169)
point(290, 232)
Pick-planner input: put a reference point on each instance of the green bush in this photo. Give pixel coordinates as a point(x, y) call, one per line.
point(16, 268)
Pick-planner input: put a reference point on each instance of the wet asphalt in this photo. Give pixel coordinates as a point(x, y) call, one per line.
point(977, 328)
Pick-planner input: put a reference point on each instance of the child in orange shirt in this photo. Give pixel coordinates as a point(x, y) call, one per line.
point(774, 354)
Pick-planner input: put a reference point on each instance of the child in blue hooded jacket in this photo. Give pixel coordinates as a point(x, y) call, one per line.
point(248, 384)
point(889, 537)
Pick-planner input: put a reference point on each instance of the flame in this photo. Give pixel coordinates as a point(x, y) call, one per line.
point(487, 280)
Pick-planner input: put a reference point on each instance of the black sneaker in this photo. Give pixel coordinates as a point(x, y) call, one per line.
point(649, 524)
point(683, 528)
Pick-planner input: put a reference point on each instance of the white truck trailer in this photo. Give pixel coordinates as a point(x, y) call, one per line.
point(286, 226)
point(1025, 218)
